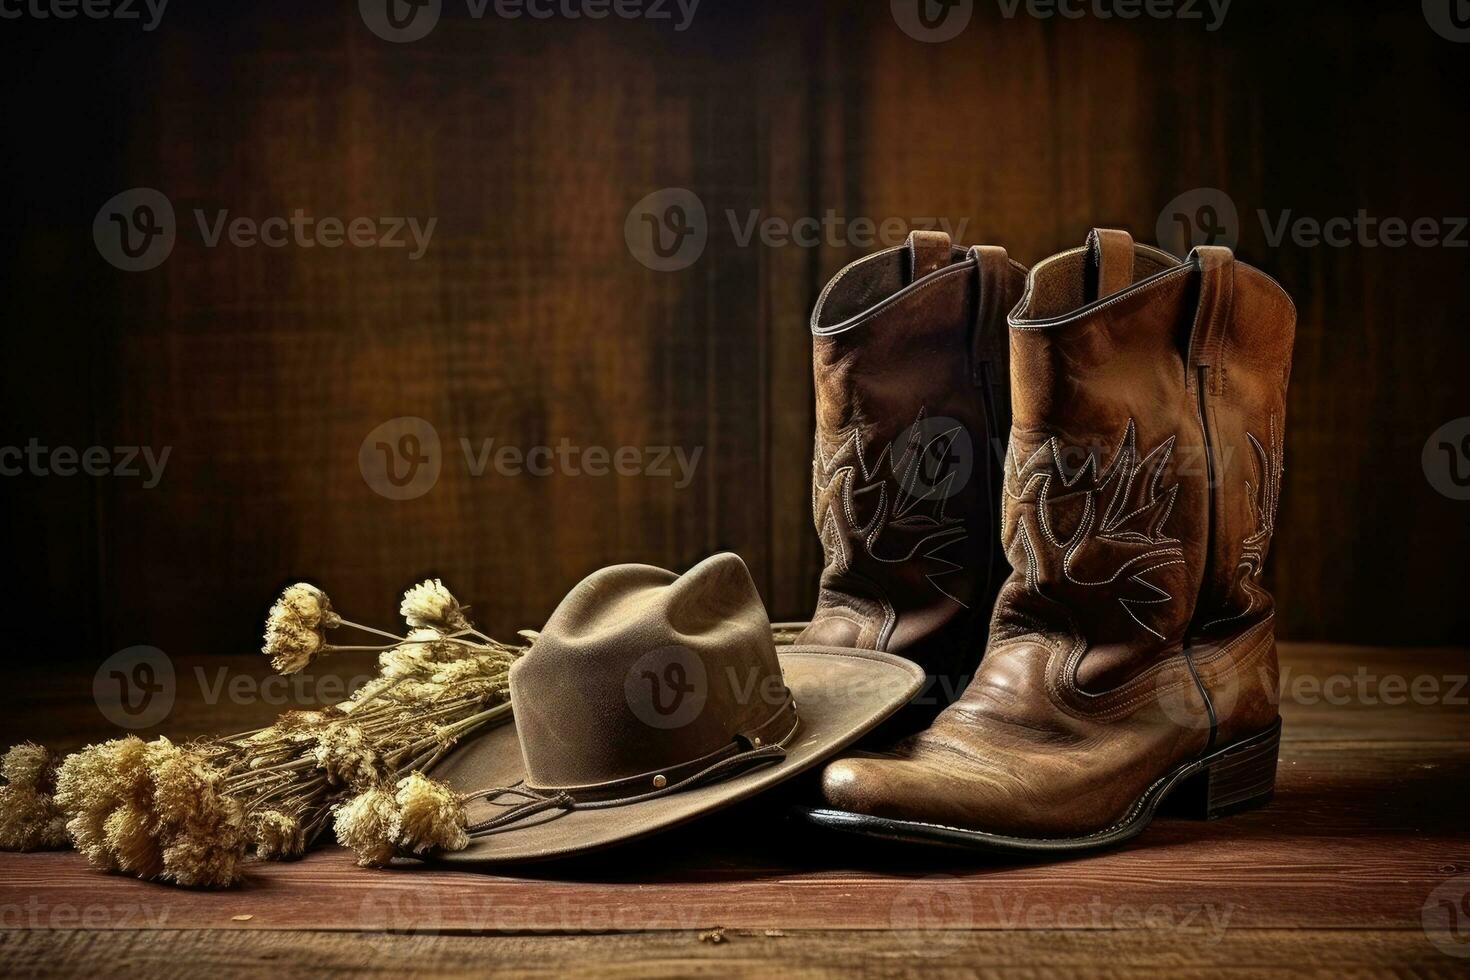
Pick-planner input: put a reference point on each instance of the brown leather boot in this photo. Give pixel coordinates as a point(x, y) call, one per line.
point(1132, 655)
point(909, 355)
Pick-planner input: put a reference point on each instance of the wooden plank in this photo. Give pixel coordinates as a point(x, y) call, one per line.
point(1146, 953)
point(1358, 836)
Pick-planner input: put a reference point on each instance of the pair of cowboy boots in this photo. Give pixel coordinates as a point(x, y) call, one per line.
point(1075, 474)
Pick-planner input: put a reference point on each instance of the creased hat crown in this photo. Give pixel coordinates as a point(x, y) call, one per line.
point(640, 673)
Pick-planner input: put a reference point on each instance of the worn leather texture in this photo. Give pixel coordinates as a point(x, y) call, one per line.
point(909, 359)
point(1134, 633)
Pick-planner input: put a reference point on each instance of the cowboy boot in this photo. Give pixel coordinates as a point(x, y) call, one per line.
point(1132, 654)
point(909, 358)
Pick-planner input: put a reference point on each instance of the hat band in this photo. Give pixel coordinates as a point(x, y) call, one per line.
point(767, 743)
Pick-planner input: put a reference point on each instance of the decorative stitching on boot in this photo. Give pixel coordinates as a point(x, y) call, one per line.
point(834, 491)
point(1136, 513)
point(1270, 466)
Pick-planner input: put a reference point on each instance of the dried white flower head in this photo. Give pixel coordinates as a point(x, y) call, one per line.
point(418, 694)
point(151, 809)
point(417, 655)
point(90, 784)
point(210, 859)
point(203, 830)
point(277, 835)
point(429, 604)
point(30, 820)
point(294, 628)
point(307, 605)
point(345, 754)
point(430, 815)
point(185, 786)
point(30, 765)
point(132, 842)
point(292, 646)
point(368, 823)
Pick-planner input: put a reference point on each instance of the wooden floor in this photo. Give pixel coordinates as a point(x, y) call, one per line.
point(1361, 865)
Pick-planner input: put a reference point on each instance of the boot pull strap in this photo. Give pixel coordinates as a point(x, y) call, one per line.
point(928, 251)
point(990, 336)
point(1109, 262)
point(1216, 265)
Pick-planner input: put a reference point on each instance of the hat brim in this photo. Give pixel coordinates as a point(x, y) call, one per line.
point(841, 695)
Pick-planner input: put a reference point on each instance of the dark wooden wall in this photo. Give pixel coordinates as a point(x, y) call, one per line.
point(529, 321)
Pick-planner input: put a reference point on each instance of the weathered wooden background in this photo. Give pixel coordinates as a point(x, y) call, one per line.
point(529, 321)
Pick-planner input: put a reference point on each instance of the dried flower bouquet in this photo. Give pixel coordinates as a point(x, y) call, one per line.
point(189, 814)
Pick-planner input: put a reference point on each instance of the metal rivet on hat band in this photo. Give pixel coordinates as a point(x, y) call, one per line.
point(659, 781)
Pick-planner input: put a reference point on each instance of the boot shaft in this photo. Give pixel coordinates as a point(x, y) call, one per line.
point(1145, 457)
point(910, 369)
point(1240, 366)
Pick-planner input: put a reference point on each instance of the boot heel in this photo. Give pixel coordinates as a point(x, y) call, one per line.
point(1240, 777)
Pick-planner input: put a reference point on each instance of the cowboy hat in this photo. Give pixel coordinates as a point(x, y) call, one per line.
point(650, 699)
